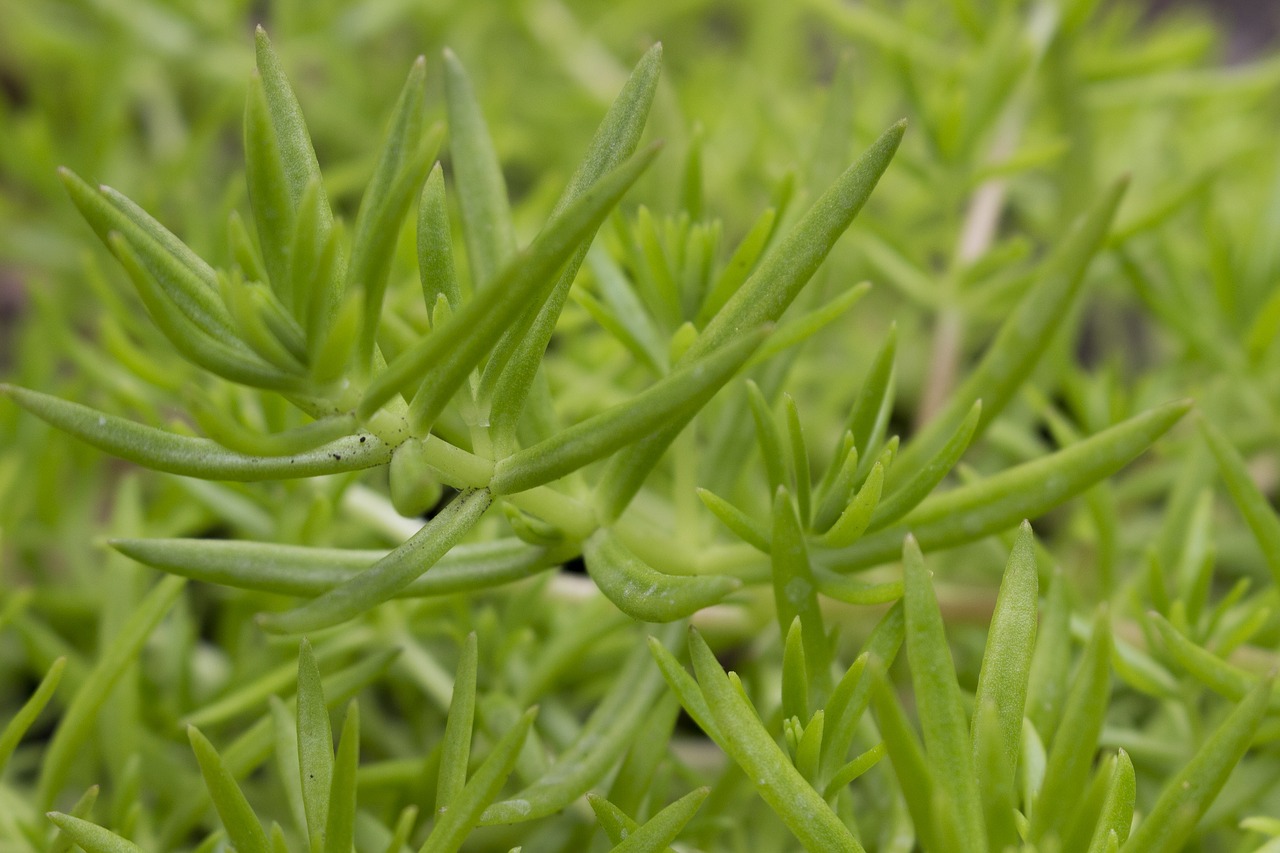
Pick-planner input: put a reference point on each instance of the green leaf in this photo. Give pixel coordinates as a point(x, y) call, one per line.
point(224, 354)
point(898, 502)
point(1215, 673)
point(664, 827)
point(449, 353)
point(1047, 683)
point(402, 164)
point(186, 281)
point(799, 461)
point(386, 578)
point(509, 377)
point(869, 416)
point(1248, 498)
point(77, 723)
point(270, 195)
point(462, 816)
point(1006, 661)
point(906, 754)
point(603, 740)
point(997, 781)
point(308, 572)
point(315, 746)
point(740, 265)
point(761, 300)
point(243, 828)
point(435, 244)
point(1025, 335)
point(482, 192)
point(769, 438)
point(793, 799)
point(856, 517)
point(196, 457)
point(603, 434)
point(1076, 738)
point(1188, 794)
point(641, 591)
point(339, 834)
point(297, 155)
point(83, 809)
point(455, 751)
point(795, 591)
point(686, 690)
point(90, 836)
point(20, 722)
point(741, 524)
point(937, 693)
point(1001, 501)
point(1117, 809)
point(795, 676)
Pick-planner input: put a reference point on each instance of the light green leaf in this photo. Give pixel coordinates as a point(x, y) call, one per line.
point(795, 676)
point(856, 517)
point(509, 377)
point(641, 591)
point(90, 836)
point(195, 457)
point(686, 690)
point(793, 799)
point(449, 353)
point(402, 164)
point(308, 572)
point(1024, 336)
point(799, 461)
point(663, 828)
point(462, 816)
point(186, 281)
point(1006, 661)
point(937, 694)
point(600, 435)
point(1188, 794)
point(1117, 809)
point(901, 500)
point(795, 592)
point(1249, 500)
point(315, 746)
point(761, 300)
point(906, 754)
point(339, 834)
point(769, 437)
point(30, 710)
point(243, 828)
point(1076, 738)
point(77, 723)
point(482, 192)
point(435, 244)
point(988, 506)
point(224, 354)
point(386, 578)
point(455, 751)
point(741, 524)
point(603, 740)
point(739, 266)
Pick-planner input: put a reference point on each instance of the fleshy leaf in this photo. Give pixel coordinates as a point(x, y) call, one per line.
point(195, 457)
point(643, 592)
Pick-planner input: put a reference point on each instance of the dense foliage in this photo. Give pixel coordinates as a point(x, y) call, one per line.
point(525, 460)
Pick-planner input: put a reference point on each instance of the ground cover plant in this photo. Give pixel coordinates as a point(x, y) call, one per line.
point(824, 426)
